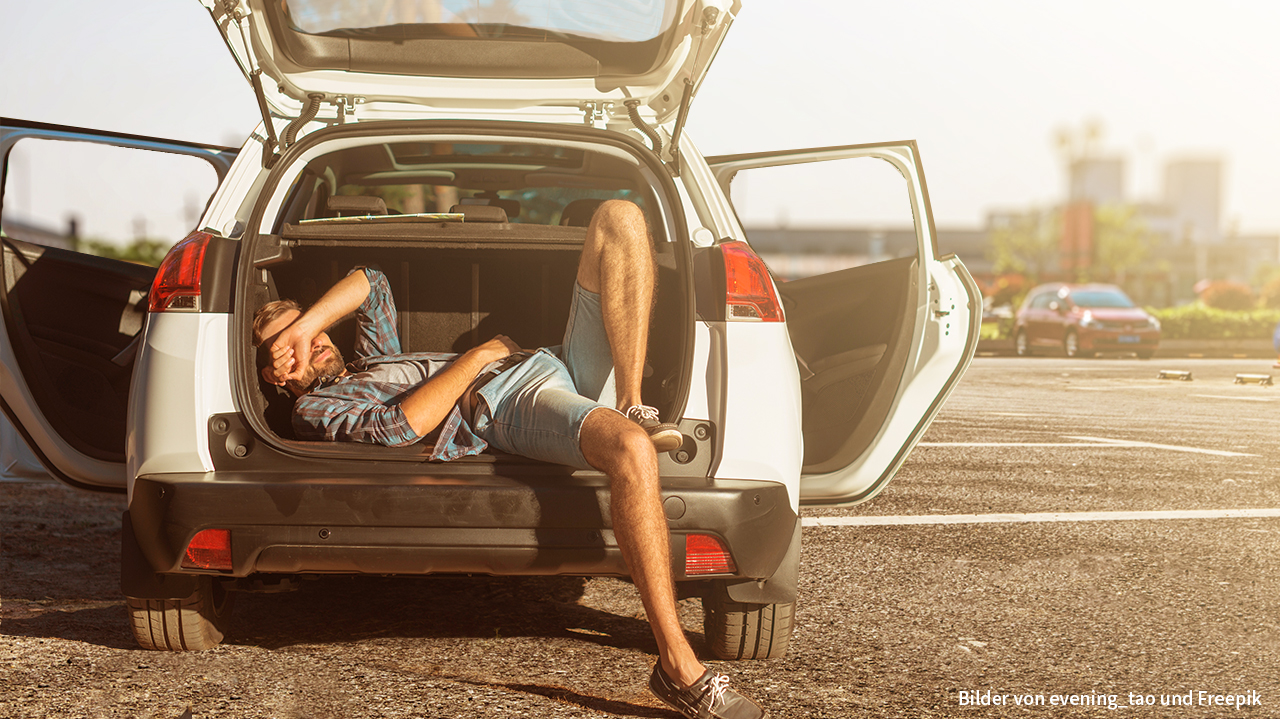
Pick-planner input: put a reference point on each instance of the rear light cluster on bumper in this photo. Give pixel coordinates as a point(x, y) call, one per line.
point(704, 554)
point(748, 288)
point(209, 549)
point(177, 283)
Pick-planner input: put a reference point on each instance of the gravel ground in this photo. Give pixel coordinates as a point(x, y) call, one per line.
point(1146, 608)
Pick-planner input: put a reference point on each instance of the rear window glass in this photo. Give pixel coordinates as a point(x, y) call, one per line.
point(1101, 298)
point(608, 20)
point(533, 183)
point(419, 153)
point(536, 206)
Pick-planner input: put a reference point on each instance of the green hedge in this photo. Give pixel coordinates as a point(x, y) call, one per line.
point(1197, 322)
point(997, 329)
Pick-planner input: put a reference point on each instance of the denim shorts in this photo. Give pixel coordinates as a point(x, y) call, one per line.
point(536, 409)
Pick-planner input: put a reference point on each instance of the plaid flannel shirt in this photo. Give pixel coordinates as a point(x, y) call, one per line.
point(357, 408)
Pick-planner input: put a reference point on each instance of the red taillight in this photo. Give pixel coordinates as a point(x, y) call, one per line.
point(209, 549)
point(748, 290)
point(177, 283)
point(704, 554)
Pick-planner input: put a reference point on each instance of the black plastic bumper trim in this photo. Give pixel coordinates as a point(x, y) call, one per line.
point(339, 523)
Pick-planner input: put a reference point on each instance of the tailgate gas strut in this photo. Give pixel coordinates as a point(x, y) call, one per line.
point(675, 133)
point(270, 143)
point(709, 17)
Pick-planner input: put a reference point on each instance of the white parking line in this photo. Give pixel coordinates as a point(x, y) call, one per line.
point(1169, 447)
point(1014, 444)
point(1035, 517)
point(1223, 396)
point(1113, 388)
point(1092, 443)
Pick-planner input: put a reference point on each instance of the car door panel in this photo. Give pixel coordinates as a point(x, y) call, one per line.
point(879, 346)
point(71, 322)
point(841, 417)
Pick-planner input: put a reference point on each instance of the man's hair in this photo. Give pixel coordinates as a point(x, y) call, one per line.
point(265, 315)
point(268, 314)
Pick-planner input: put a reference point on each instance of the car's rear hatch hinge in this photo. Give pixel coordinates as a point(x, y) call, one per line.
point(594, 113)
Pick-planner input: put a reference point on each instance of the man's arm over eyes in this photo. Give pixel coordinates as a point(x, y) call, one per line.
point(376, 332)
point(345, 297)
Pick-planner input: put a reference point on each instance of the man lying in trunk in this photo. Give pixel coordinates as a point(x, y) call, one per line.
point(538, 404)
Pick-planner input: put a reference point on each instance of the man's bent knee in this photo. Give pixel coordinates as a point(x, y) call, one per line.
point(620, 218)
point(611, 441)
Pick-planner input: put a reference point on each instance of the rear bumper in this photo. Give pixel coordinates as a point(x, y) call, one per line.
point(1108, 340)
point(295, 524)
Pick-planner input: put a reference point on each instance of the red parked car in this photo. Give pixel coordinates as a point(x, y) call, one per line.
point(1083, 320)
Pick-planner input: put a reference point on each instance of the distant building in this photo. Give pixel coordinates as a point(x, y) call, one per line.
point(1099, 181)
point(1193, 191)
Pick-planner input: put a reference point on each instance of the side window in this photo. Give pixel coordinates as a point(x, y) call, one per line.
point(1041, 302)
point(818, 217)
point(117, 202)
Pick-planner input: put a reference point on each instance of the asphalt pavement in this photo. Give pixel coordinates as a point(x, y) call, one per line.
point(1092, 554)
point(1071, 538)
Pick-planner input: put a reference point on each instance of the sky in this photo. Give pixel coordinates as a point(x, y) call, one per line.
point(982, 86)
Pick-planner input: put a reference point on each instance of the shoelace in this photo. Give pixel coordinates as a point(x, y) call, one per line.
point(642, 411)
point(718, 685)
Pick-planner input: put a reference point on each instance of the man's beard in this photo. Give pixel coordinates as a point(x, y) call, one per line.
point(331, 368)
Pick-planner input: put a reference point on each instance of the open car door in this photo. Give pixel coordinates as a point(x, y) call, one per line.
point(71, 322)
point(882, 326)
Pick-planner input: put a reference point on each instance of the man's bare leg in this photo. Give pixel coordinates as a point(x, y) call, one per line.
point(619, 448)
point(617, 264)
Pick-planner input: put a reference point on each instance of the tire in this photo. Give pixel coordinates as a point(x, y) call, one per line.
point(179, 625)
point(1071, 346)
point(736, 630)
point(1022, 344)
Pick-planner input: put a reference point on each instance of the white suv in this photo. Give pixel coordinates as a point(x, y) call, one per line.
point(809, 391)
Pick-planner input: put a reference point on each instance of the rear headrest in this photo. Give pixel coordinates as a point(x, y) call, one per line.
point(480, 213)
point(579, 212)
point(349, 205)
point(511, 207)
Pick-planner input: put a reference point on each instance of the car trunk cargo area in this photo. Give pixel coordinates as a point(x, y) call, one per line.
point(455, 285)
